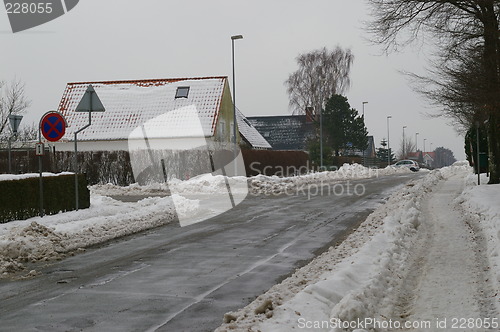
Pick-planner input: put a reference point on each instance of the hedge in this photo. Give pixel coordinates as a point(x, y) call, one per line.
point(21, 198)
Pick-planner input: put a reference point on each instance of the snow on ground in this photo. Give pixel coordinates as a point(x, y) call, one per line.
point(10, 177)
point(445, 277)
point(52, 237)
point(260, 184)
point(482, 204)
point(364, 281)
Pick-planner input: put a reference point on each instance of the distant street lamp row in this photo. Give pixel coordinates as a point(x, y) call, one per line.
point(236, 37)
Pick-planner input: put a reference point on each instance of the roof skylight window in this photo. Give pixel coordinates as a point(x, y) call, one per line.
point(182, 92)
point(247, 122)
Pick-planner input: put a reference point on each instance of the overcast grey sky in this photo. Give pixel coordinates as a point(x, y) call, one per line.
point(118, 39)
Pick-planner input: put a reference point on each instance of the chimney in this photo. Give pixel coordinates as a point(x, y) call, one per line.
point(309, 114)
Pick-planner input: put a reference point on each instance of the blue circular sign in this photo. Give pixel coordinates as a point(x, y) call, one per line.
point(53, 126)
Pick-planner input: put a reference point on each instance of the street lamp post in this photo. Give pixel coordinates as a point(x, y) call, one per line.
point(388, 144)
point(416, 142)
point(320, 80)
point(404, 143)
point(364, 150)
point(233, 38)
point(320, 134)
point(425, 139)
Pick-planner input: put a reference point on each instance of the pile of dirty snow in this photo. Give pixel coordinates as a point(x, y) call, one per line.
point(52, 237)
point(256, 185)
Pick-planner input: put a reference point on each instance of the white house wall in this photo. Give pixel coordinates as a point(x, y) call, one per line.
point(120, 145)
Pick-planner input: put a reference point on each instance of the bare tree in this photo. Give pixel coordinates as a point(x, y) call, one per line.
point(12, 101)
point(405, 147)
point(460, 28)
point(26, 135)
point(457, 86)
point(321, 74)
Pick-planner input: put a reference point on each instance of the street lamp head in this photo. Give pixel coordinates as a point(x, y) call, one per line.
point(236, 37)
point(365, 102)
point(389, 116)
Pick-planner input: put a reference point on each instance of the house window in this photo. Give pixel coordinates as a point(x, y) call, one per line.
point(222, 129)
point(247, 122)
point(182, 92)
point(267, 134)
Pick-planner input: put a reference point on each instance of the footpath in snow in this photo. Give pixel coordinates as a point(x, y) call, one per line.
point(446, 274)
point(427, 260)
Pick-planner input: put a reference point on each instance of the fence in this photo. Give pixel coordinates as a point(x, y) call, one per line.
point(115, 167)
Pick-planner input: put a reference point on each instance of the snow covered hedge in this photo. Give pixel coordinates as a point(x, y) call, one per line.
point(21, 197)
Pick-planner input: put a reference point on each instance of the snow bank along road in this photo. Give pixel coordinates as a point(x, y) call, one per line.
point(186, 279)
point(427, 260)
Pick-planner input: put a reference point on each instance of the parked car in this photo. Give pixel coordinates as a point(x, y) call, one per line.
point(411, 164)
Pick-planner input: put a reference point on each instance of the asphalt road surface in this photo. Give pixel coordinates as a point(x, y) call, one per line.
point(185, 279)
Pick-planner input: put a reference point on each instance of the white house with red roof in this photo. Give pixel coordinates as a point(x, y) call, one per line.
point(427, 158)
point(193, 107)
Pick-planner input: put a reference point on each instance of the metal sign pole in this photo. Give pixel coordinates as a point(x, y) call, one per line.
point(75, 165)
point(40, 169)
point(52, 126)
point(478, 166)
point(90, 102)
point(9, 147)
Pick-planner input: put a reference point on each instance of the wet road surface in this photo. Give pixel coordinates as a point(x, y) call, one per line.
point(185, 279)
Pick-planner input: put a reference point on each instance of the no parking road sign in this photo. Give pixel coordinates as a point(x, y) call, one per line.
point(53, 126)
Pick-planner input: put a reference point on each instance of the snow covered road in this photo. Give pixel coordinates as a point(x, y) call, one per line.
point(185, 279)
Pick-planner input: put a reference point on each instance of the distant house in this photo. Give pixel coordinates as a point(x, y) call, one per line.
point(370, 151)
point(417, 156)
point(427, 158)
point(285, 132)
point(249, 134)
point(193, 107)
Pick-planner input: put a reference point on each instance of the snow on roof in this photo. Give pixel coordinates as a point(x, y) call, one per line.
point(248, 131)
point(284, 132)
point(130, 104)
